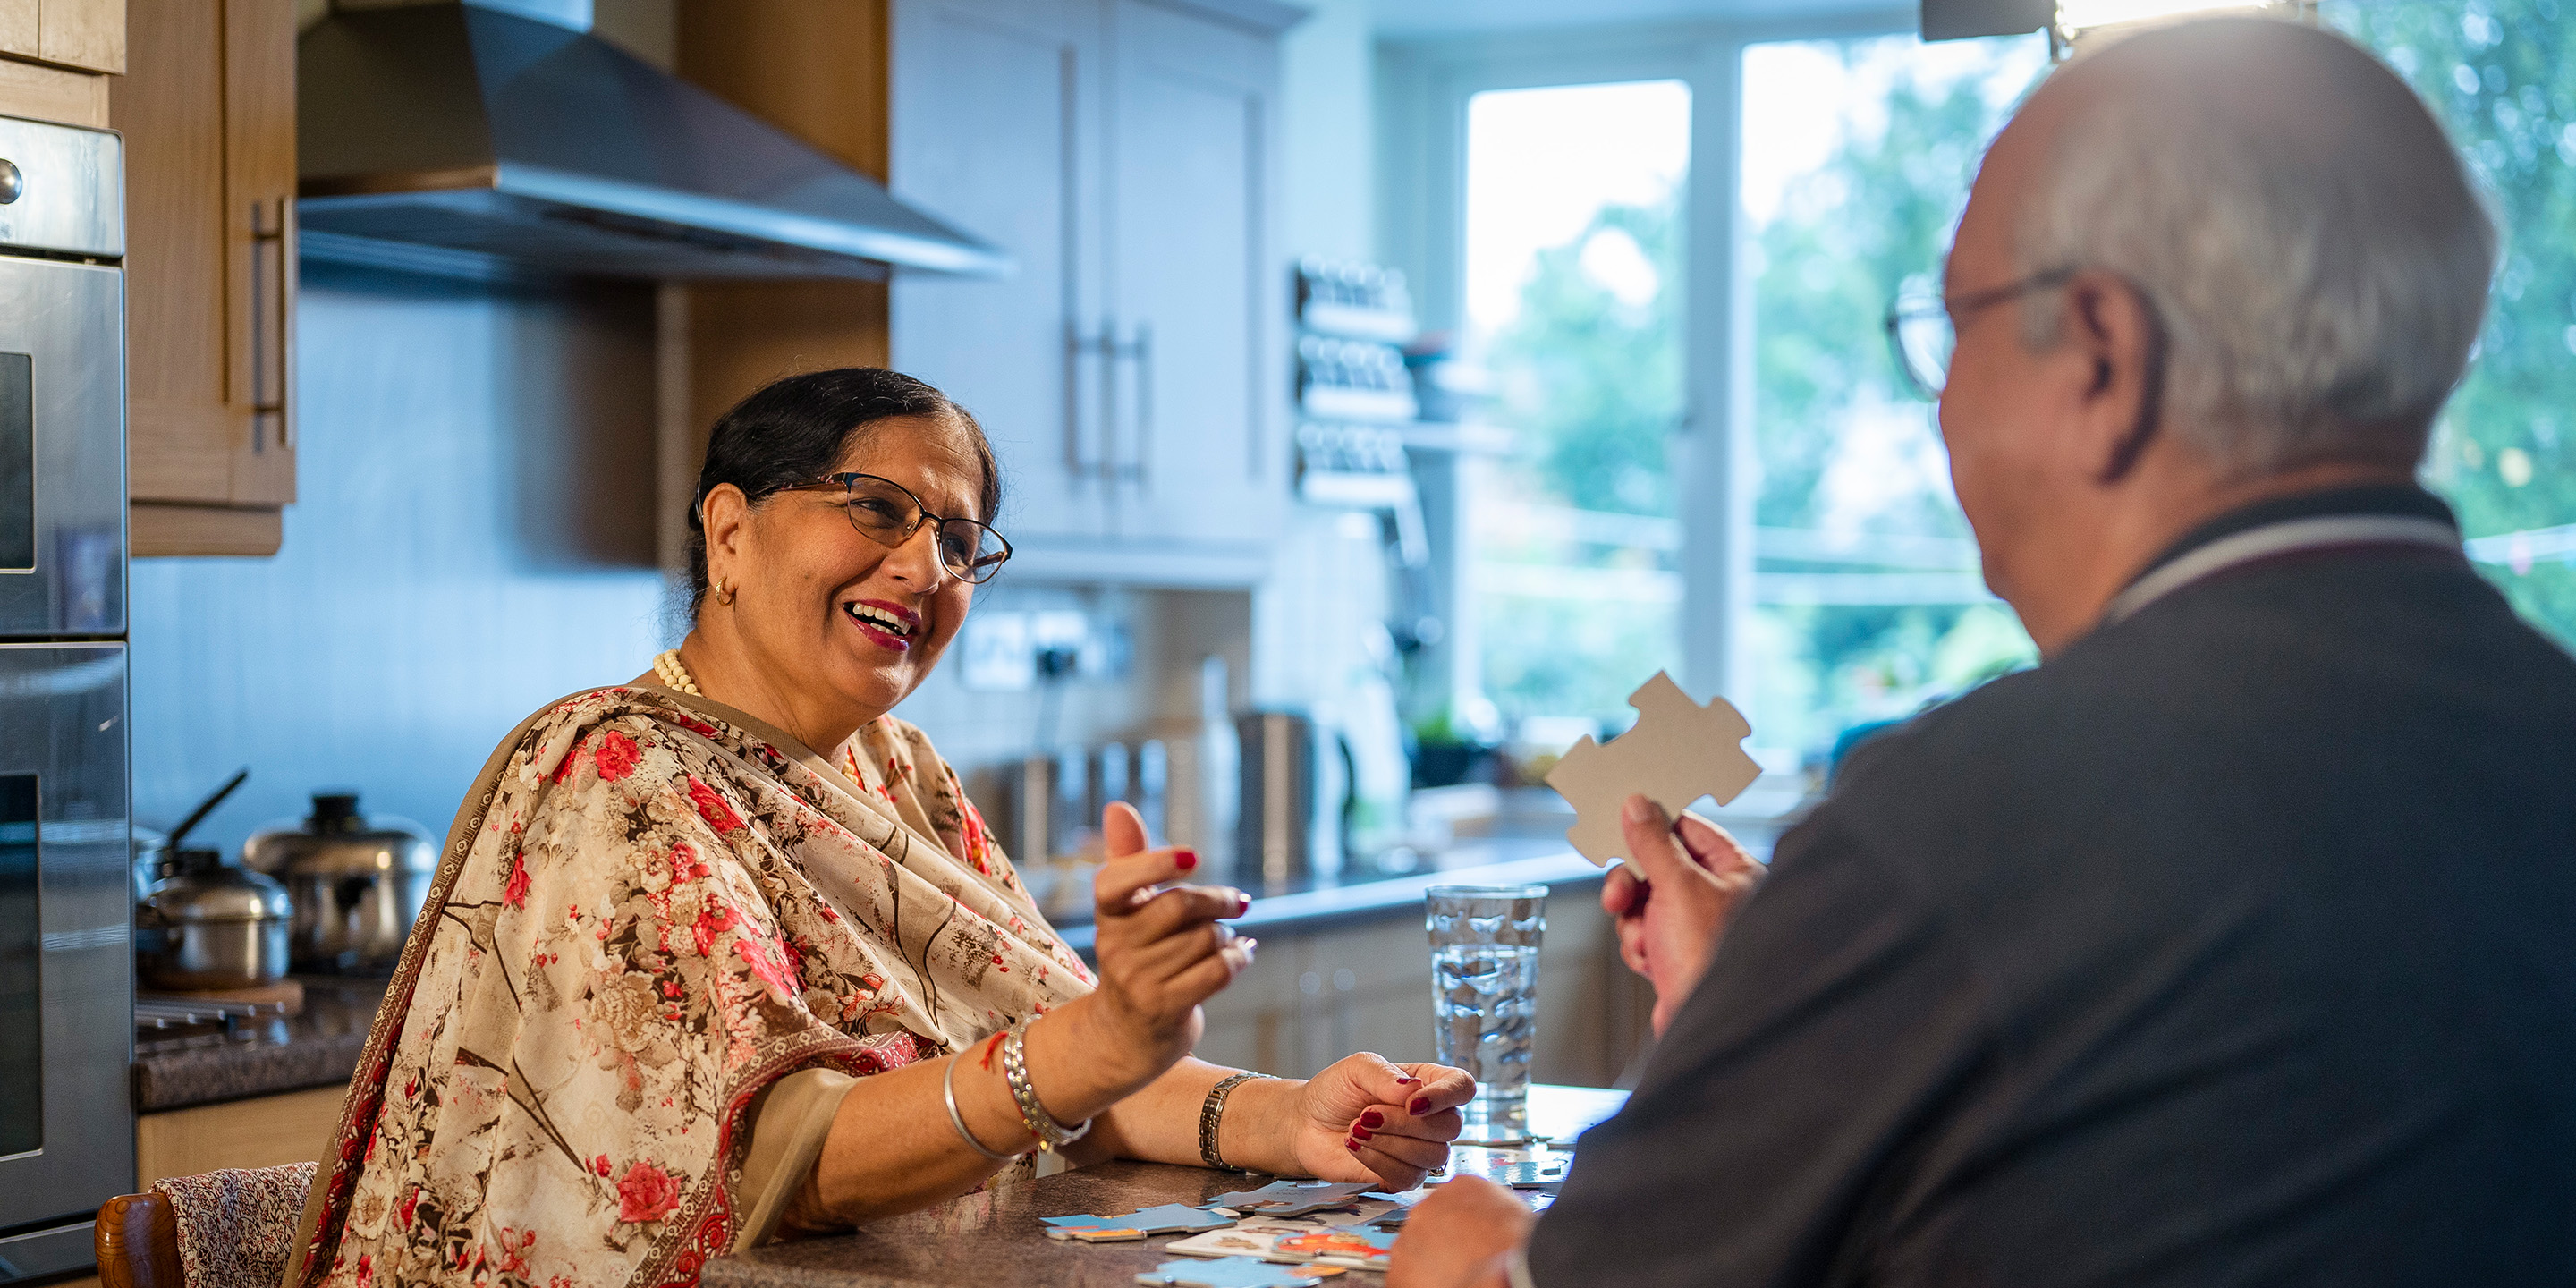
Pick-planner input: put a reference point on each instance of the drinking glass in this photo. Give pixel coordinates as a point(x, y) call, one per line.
point(1484, 998)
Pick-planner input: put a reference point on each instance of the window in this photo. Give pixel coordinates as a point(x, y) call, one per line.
point(2501, 75)
point(1867, 599)
point(1574, 306)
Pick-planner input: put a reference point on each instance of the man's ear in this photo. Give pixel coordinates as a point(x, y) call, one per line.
point(2111, 327)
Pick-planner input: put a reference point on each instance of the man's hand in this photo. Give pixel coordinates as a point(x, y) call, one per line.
point(1673, 898)
point(1460, 1237)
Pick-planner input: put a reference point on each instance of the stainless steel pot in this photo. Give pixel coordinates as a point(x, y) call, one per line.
point(210, 926)
point(357, 882)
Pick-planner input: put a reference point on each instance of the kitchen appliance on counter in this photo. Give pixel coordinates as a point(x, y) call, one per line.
point(66, 890)
point(356, 882)
point(1294, 817)
point(210, 926)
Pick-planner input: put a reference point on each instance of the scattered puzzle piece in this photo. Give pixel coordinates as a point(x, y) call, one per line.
point(1291, 1198)
point(1678, 752)
point(1250, 1239)
point(1234, 1272)
point(1363, 1249)
point(1531, 1176)
point(1169, 1218)
point(1098, 1236)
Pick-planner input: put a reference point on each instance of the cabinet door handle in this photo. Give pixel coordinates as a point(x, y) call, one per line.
point(1104, 346)
point(1143, 350)
point(272, 317)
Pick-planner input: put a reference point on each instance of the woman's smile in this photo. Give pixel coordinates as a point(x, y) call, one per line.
point(884, 624)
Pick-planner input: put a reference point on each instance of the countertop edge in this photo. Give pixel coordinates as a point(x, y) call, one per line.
point(1314, 909)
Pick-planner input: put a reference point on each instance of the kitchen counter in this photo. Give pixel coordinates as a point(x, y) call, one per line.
point(995, 1238)
point(316, 1048)
point(1321, 903)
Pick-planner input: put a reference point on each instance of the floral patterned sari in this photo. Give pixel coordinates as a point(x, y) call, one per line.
point(652, 907)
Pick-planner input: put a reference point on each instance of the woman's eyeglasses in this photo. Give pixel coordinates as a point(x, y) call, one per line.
point(887, 513)
point(1923, 325)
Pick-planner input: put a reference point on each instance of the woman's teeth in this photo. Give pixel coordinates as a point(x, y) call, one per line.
point(880, 619)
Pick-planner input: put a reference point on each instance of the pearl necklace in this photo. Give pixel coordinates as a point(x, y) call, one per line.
point(675, 676)
point(667, 667)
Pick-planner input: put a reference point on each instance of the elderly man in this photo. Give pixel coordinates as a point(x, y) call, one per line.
point(2237, 942)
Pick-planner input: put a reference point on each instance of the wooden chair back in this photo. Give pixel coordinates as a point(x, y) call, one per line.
point(137, 1239)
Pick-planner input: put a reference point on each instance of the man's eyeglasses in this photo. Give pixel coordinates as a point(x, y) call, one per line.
point(1923, 324)
point(887, 513)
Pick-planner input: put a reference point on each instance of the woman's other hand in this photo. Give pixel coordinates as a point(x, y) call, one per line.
point(1365, 1119)
point(1162, 948)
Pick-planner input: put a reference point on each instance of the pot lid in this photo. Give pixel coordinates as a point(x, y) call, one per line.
point(207, 891)
point(338, 840)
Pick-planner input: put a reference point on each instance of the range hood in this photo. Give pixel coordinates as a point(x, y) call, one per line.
point(499, 139)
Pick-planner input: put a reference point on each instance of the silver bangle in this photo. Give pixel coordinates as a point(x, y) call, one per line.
point(1212, 1116)
point(1052, 1135)
point(948, 1085)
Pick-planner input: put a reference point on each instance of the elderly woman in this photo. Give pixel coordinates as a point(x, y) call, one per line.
point(726, 952)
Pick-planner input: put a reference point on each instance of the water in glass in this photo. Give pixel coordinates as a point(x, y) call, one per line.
point(1484, 988)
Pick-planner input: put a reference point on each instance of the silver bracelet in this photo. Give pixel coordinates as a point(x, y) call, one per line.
point(1212, 1115)
point(948, 1085)
point(1052, 1135)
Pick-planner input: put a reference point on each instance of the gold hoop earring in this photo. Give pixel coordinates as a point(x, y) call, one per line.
point(724, 593)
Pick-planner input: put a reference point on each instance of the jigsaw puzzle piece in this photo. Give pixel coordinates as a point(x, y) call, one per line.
point(1678, 752)
point(1169, 1218)
point(1291, 1198)
point(1253, 1238)
point(1234, 1272)
point(1357, 1248)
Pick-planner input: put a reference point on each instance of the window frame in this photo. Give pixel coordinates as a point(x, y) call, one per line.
point(1423, 88)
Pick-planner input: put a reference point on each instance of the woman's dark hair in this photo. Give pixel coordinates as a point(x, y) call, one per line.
point(792, 431)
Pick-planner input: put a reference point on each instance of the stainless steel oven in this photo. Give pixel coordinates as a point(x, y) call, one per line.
point(66, 903)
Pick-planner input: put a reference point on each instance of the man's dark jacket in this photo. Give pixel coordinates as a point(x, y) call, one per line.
point(2236, 944)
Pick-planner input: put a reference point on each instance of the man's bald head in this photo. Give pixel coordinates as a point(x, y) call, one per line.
point(2303, 229)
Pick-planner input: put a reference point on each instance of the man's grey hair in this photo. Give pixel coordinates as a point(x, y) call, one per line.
point(2313, 248)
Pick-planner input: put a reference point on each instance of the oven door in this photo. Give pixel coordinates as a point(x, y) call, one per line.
point(66, 952)
point(62, 448)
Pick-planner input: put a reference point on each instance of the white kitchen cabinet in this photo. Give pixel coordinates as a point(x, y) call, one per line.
point(1202, 457)
point(1129, 372)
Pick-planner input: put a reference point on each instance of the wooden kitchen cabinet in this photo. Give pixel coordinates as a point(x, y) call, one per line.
point(1309, 999)
point(207, 108)
point(1129, 372)
point(87, 34)
point(1201, 454)
point(267, 1131)
point(55, 57)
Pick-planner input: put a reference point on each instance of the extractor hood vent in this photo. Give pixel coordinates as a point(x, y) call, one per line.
point(474, 142)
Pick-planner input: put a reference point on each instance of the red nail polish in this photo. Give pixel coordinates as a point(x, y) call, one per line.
point(1372, 1119)
point(1419, 1104)
point(1185, 859)
point(1351, 1145)
point(1410, 1082)
point(1361, 1133)
point(1242, 904)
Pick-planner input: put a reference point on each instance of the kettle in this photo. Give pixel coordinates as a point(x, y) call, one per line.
point(207, 926)
point(357, 882)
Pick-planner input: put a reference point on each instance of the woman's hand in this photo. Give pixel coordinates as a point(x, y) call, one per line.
point(1365, 1119)
point(1162, 948)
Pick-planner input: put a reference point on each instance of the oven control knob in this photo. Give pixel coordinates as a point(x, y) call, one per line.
point(12, 183)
